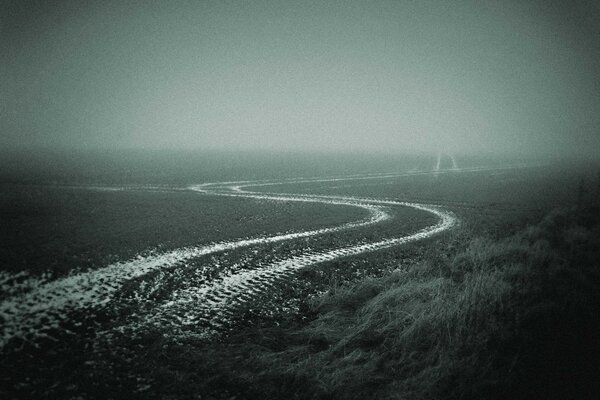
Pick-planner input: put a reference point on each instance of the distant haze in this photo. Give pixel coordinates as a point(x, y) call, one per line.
point(402, 76)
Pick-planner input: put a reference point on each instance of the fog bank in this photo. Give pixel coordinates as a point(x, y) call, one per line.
point(462, 77)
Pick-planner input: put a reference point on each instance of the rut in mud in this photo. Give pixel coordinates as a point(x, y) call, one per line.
point(38, 312)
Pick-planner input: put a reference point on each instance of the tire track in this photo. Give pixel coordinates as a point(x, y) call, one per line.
point(209, 308)
point(40, 311)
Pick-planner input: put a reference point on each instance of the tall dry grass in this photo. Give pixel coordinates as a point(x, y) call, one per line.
point(483, 318)
point(511, 317)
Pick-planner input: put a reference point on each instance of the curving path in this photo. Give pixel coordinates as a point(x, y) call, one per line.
point(41, 311)
point(209, 307)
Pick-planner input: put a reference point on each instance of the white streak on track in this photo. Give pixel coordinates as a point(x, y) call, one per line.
point(39, 311)
point(213, 304)
point(36, 313)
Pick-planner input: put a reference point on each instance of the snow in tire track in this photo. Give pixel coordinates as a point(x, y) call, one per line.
point(209, 308)
point(39, 311)
point(36, 313)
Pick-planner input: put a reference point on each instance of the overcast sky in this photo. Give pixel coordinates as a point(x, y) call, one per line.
point(375, 76)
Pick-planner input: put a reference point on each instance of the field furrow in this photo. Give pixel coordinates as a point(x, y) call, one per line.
point(41, 310)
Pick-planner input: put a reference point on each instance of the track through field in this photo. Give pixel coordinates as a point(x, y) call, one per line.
point(208, 307)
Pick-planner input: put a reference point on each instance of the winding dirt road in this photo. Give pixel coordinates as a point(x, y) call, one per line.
point(41, 311)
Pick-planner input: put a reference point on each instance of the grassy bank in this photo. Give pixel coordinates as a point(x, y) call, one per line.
point(483, 313)
point(487, 318)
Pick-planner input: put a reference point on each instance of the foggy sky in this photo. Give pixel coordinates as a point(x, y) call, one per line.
point(375, 76)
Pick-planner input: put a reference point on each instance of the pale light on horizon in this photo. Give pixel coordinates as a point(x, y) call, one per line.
point(335, 76)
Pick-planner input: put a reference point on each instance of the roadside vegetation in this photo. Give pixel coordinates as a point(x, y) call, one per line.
point(474, 316)
point(504, 306)
point(514, 317)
